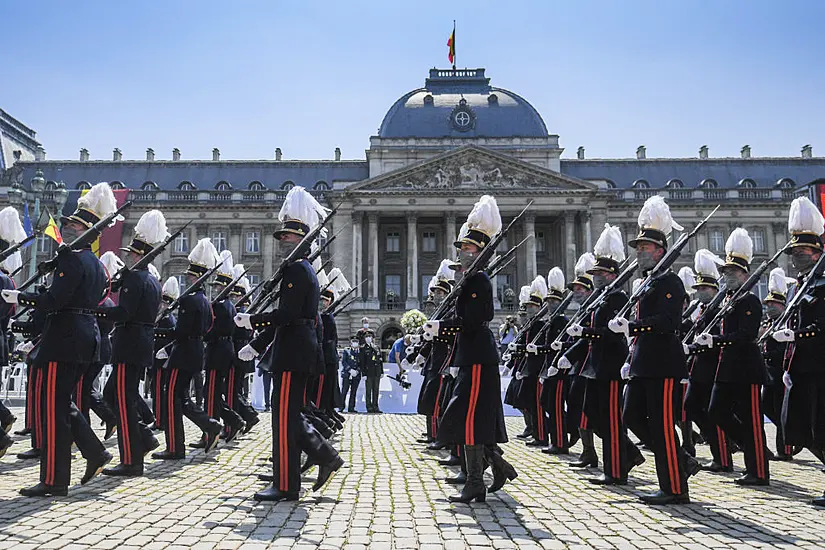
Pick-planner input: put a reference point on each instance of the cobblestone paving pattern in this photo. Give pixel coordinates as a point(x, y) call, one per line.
point(391, 494)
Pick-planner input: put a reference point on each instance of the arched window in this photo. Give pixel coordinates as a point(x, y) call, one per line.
point(287, 185)
point(149, 186)
point(223, 186)
point(675, 184)
point(83, 185)
point(186, 186)
point(641, 184)
point(50, 186)
point(257, 186)
point(747, 183)
point(611, 184)
point(116, 185)
point(321, 186)
point(708, 183)
point(785, 183)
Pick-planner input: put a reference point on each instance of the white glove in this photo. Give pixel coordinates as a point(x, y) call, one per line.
point(532, 348)
point(625, 371)
point(564, 363)
point(506, 357)
point(353, 373)
point(519, 375)
point(555, 346)
point(686, 349)
point(419, 361)
point(552, 371)
point(511, 346)
point(431, 327)
point(575, 330)
point(786, 379)
point(243, 321)
point(704, 339)
point(10, 296)
point(415, 338)
point(454, 372)
point(405, 364)
point(247, 353)
point(784, 335)
point(684, 381)
point(409, 350)
point(25, 347)
point(161, 354)
point(619, 325)
point(428, 336)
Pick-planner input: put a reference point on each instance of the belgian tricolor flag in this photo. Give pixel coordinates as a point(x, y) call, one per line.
point(451, 45)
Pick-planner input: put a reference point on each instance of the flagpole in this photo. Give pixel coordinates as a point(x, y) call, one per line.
point(455, 51)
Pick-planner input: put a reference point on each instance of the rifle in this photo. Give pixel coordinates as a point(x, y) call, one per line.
point(559, 311)
point(147, 258)
point(190, 290)
point(18, 270)
point(801, 294)
point(545, 307)
point(86, 238)
point(228, 288)
point(277, 294)
point(493, 272)
point(690, 309)
point(506, 257)
point(742, 291)
point(334, 307)
point(343, 307)
point(401, 382)
point(661, 268)
point(14, 248)
point(299, 251)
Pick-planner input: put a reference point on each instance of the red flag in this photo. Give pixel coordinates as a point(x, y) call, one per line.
point(451, 45)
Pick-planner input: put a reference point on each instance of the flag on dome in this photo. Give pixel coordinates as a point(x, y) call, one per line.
point(451, 45)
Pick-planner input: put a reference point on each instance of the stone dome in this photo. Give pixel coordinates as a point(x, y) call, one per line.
point(461, 104)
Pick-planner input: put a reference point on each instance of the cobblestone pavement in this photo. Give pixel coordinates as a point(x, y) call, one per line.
point(391, 494)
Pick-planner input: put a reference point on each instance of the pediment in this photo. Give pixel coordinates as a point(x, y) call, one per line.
point(472, 168)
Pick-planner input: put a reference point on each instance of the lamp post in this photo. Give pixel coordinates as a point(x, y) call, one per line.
point(38, 183)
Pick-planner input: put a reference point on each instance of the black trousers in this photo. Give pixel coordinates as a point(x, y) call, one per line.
point(197, 385)
point(535, 408)
point(179, 404)
point(62, 423)
point(651, 406)
point(88, 396)
point(287, 422)
point(350, 385)
point(35, 388)
point(603, 404)
point(697, 403)
point(157, 389)
point(130, 428)
point(373, 383)
point(803, 411)
point(216, 406)
point(737, 409)
point(31, 400)
point(772, 398)
point(267, 380)
point(576, 418)
point(236, 395)
point(553, 397)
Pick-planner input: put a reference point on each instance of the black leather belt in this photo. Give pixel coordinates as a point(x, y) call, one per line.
point(72, 310)
point(134, 323)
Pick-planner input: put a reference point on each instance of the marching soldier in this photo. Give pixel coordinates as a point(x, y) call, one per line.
point(288, 335)
point(702, 363)
point(735, 402)
point(688, 279)
point(529, 393)
point(804, 377)
point(515, 359)
point(773, 352)
point(657, 362)
point(186, 358)
point(329, 393)
point(32, 331)
point(474, 415)
point(69, 344)
point(164, 336)
point(236, 386)
point(132, 347)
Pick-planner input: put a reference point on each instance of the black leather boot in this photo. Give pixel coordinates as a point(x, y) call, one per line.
point(503, 471)
point(687, 438)
point(474, 489)
point(588, 458)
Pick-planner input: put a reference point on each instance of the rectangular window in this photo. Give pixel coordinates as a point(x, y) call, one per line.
point(425, 284)
point(253, 242)
point(219, 240)
point(758, 238)
point(394, 242)
point(717, 240)
point(761, 289)
point(503, 246)
point(428, 241)
point(44, 244)
point(182, 282)
point(540, 241)
point(253, 279)
point(181, 245)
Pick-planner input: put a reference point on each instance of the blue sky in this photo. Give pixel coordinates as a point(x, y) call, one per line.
point(250, 76)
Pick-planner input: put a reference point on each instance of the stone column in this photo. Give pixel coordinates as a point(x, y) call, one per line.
point(268, 250)
point(780, 238)
point(530, 246)
point(412, 260)
point(449, 235)
point(570, 256)
point(373, 258)
point(588, 232)
point(236, 242)
point(357, 256)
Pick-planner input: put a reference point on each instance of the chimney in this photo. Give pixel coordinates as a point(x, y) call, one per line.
point(117, 156)
point(337, 153)
point(175, 154)
point(277, 153)
point(746, 151)
point(216, 154)
point(150, 154)
point(40, 154)
point(807, 152)
point(580, 153)
point(640, 152)
point(84, 155)
point(703, 152)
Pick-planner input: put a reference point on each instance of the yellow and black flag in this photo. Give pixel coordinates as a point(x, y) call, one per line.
point(451, 45)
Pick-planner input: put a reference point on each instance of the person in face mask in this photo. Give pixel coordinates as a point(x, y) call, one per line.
point(702, 363)
point(373, 368)
point(351, 370)
point(773, 392)
point(735, 403)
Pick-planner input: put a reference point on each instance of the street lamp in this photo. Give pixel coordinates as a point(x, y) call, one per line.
point(38, 183)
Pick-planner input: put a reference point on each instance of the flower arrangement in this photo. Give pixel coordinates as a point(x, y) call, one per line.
point(412, 320)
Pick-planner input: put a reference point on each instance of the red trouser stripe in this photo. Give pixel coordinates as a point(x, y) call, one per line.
point(614, 429)
point(437, 409)
point(669, 433)
point(78, 393)
point(540, 412)
point(123, 432)
point(210, 398)
point(170, 410)
point(469, 426)
point(583, 421)
point(51, 436)
point(283, 457)
point(38, 409)
point(230, 392)
point(29, 394)
point(759, 443)
point(320, 389)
